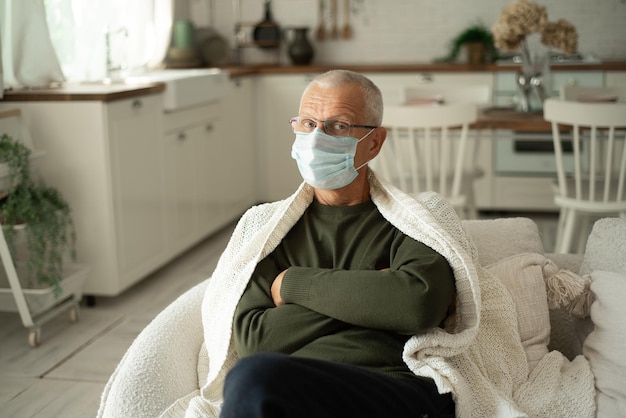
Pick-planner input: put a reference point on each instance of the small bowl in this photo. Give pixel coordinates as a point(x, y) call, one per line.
point(182, 54)
point(598, 98)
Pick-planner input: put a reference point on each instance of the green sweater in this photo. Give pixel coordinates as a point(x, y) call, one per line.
point(356, 290)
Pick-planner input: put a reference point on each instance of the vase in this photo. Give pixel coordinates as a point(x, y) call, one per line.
point(300, 49)
point(533, 82)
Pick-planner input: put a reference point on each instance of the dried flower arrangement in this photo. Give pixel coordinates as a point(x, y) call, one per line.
point(524, 17)
point(517, 21)
point(561, 34)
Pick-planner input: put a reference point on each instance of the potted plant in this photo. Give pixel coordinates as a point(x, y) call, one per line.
point(41, 213)
point(478, 41)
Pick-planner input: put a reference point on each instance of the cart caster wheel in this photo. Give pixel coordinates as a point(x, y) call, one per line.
point(91, 300)
point(33, 338)
point(74, 314)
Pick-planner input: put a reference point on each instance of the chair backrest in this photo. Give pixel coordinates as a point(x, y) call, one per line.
point(449, 93)
point(593, 94)
point(426, 148)
point(596, 134)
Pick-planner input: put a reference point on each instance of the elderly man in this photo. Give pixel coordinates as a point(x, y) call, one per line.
point(337, 299)
point(336, 302)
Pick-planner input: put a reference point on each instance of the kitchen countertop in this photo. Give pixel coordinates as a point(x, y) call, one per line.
point(86, 91)
point(245, 70)
point(117, 91)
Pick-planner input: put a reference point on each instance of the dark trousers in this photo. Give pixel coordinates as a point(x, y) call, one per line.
point(280, 386)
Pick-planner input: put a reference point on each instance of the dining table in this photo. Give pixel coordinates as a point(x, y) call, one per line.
point(508, 118)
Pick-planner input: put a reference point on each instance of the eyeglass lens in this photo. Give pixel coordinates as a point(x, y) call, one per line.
point(333, 127)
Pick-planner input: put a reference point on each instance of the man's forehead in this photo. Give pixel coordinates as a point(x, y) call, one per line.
point(345, 99)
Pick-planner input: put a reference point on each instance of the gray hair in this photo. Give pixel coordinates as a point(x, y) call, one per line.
point(371, 93)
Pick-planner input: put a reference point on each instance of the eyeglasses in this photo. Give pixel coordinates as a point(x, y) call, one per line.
point(333, 127)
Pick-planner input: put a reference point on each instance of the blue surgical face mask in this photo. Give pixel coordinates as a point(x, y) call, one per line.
point(326, 162)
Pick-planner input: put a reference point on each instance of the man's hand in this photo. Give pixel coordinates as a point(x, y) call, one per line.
point(276, 285)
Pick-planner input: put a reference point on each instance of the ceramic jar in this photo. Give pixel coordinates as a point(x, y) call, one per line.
point(300, 49)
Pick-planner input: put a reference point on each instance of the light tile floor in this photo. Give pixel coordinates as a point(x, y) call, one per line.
point(66, 374)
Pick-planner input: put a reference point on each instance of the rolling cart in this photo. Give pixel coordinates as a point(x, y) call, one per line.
point(38, 306)
point(35, 306)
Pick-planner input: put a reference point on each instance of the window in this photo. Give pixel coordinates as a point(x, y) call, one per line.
point(95, 39)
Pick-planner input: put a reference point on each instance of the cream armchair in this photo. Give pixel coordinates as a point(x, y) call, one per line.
point(161, 370)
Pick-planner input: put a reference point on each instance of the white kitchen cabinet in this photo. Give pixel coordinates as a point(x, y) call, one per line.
point(144, 184)
point(182, 184)
point(392, 85)
point(278, 100)
point(615, 78)
point(193, 186)
point(106, 160)
point(137, 185)
point(240, 148)
point(210, 165)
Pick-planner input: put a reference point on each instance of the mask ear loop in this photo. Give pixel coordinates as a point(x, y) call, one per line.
point(365, 136)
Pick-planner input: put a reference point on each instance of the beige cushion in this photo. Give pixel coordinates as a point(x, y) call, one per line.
point(523, 276)
point(496, 239)
point(606, 345)
point(606, 247)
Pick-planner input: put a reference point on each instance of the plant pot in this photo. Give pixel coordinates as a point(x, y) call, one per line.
point(475, 52)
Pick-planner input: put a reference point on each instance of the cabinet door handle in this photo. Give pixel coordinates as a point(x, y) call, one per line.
point(137, 104)
point(182, 136)
point(209, 127)
point(425, 78)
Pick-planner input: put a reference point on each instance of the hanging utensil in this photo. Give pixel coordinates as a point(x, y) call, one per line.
point(347, 29)
point(334, 30)
point(320, 33)
point(267, 32)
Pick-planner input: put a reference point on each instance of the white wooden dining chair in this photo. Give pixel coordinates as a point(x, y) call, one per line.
point(450, 93)
point(595, 184)
point(592, 94)
point(426, 150)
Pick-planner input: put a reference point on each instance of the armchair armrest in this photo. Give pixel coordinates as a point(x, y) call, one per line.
point(161, 364)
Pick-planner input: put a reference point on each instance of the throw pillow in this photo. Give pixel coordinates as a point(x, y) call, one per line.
point(523, 277)
point(606, 345)
point(605, 251)
point(606, 247)
point(496, 239)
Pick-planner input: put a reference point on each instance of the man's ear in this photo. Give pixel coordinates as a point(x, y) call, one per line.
point(378, 139)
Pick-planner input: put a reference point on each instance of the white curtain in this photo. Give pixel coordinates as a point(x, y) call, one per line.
point(137, 31)
point(28, 57)
point(45, 41)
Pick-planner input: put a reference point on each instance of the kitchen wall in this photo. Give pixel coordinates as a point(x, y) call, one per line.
point(409, 31)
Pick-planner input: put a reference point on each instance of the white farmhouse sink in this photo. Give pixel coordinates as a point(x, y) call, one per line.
point(187, 87)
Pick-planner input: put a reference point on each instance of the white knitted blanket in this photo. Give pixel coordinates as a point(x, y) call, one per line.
point(478, 357)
